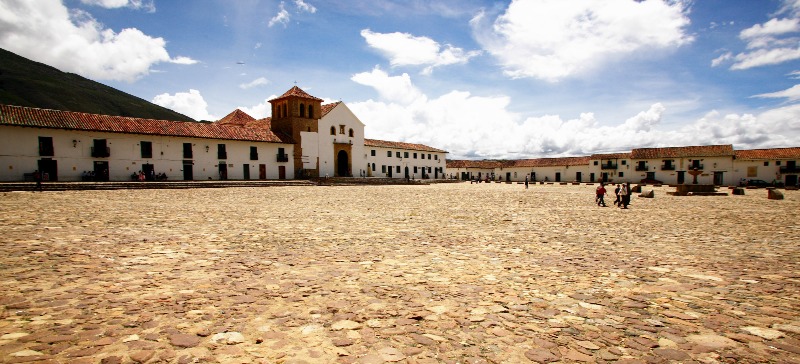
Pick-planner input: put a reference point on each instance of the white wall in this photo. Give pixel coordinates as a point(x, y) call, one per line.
point(19, 154)
point(381, 158)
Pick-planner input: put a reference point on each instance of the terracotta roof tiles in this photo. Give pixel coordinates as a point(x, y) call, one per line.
point(683, 152)
point(296, 92)
point(481, 164)
point(400, 145)
point(328, 107)
point(237, 117)
point(611, 156)
point(552, 162)
point(57, 119)
point(774, 153)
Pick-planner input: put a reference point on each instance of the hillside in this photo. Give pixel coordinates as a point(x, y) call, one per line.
point(27, 83)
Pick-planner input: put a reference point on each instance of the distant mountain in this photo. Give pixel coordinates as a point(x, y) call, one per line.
point(27, 83)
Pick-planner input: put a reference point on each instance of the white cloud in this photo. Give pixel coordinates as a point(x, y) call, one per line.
point(792, 94)
point(304, 6)
point(282, 17)
point(191, 104)
point(770, 43)
point(46, 31)
point(261, 81)
point(261, 110)
point(404, 49)
point(721, 59)
point(483, 127)
point(114, 4)
point(183, 60)
point(554, 39)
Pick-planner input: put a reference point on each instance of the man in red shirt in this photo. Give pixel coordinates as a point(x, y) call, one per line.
point(601, 192)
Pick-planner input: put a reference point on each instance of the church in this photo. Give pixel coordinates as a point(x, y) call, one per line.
point(303, 138)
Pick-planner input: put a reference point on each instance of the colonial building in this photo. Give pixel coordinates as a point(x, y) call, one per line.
point(712, 164)
point(303, 138)
point(404, 160)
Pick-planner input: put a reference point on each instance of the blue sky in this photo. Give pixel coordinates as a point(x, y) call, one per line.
point(480, 79)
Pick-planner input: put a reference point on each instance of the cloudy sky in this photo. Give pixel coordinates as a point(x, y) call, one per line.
point(478, 78)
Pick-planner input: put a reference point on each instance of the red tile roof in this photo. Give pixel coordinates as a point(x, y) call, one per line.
point(683, 152)
point(328, 107)
point(482, 164)
point(774, 153)
point(237, 117)
point(611, 156)
point(296, 92)
point(552, 162)
point(57, 119)
point(400, 145)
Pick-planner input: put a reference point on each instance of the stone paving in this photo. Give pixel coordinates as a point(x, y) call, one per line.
point(454, 273)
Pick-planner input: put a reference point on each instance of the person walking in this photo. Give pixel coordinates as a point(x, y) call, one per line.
point(625, 194)
point(617, 201)
point(526, 182)
point(37, 176)
point(600, 193)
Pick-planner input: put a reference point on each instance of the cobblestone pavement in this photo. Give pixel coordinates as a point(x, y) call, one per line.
point(454, 273)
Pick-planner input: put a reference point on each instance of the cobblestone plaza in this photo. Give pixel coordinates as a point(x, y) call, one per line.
point(446, 273)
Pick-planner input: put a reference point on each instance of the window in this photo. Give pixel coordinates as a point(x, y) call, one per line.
point(383, 169)
point(282, 156)
point(624, 162)
point(436, 157)
point(621, 174)
point(253, 153)
point(405, 154)
point(777, 163)
point(284, 110)
point(398, 169)
point(373, 167)
point(147, 149)
point(310, 111)
point(341, 129)
point(333, 130)
point(221, 152)
point(302, 110)
point(388, 153)
point(46, 146)
point(350, 132)
point(415, 156)
point(100, 149)
point(429, 169)
point(429, 156)
point(415, 169)
point(766, 164)
point(595, 162)
point(397, 154)
point(187, 150)
point(372, 153)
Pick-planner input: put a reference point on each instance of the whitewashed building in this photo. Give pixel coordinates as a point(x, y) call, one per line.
point(303, 138)
point(404, 160)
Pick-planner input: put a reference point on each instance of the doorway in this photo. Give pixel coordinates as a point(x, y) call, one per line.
point(101, 171)
point(407, 175)
point(246, 171)
point(149, 171)
point(48, 169)
point(188, 171)
point(281, 172)
point(342, 164)
point(508, 176)
point(790, 180)
point(578, 176)
point(558, 176)
point(223, 171)
point(681, 177)
point(262, 171)
point(718, 178)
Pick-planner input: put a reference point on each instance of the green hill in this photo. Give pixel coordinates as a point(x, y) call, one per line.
point(27, 83)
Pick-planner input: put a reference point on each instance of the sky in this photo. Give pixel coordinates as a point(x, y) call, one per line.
point(479, 79)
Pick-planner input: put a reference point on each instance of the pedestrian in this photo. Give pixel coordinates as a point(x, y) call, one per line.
point(38, 178)
point(625, 193)
point(526, 182)
point(617, 201)
point(600, 193)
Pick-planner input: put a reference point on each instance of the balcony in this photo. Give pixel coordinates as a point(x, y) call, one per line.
point(641, 168)
point(667, 167)
point(283, 157)
point(46, 152)
point(101, 152)
point(608, 165)
point(696, 166)
point(789, 169)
